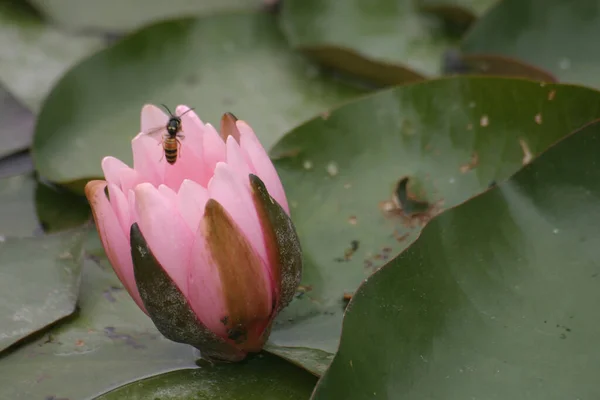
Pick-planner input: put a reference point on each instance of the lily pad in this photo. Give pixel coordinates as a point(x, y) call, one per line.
point(16, 129)
point(386, 40)
point(497, 299)
point(426, 147)
point(109, 343)
point(17, 207)
point(552, 34)
point(462, 12)
point(263, 378)
point(39, 282)
point(231, 62)
point(120, 16)
point(58, 209)
point(30, 208)
point(456, 62)
point(16, 164)
point(34, 55)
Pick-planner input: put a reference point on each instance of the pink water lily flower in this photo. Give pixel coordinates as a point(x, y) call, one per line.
point(206, 226)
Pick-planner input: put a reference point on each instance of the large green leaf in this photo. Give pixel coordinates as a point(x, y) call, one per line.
point(450, 137)
point(237, 62)
point(388, 41)
point(109, 343)
point(33, 55)
point(117, 15)
point(17, 207)
point(16, 129)
point(461, 12)
point(555, 35)
point(29, 208)
point(16, 164)
point(497, 299)
point(39, 282)
point(474, 7)
point(263, 378)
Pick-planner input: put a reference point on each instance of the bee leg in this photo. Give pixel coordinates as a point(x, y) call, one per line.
point(178, 147)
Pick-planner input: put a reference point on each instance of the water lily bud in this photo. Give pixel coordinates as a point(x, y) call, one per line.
point(199, 233)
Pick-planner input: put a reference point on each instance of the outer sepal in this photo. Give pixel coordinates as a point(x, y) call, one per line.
point(283, 244)
point(169, 309)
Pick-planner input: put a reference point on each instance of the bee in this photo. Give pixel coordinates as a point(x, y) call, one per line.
point(171, 139)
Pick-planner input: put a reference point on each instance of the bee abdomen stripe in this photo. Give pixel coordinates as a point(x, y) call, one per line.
point(171, 151)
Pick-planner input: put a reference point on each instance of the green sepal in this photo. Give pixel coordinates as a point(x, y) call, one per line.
point(279, 229)
point(169, 309)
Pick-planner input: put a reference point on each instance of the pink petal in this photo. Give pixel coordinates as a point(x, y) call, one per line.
point(204, 290)
point(152, 118)
point(113, 168)
point(120, 206)
point(133, 217)
point(193, 130)
point(234, 195)
point(166, 233)
point(262, 164)
point(214, 148)
point(130, 178)
point(191, 201)
point(115, 243)
point(187, 166)
point(236, 160)
point(168, 194)
point(147, 153)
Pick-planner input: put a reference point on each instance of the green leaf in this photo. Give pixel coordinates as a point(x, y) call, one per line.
point(462, 12)
point(237, 62)
point(33, 55)
point(388, 41)
point(16, 129)
point(450, 137)
point(58, 209)
point(17, 206)
point(28, 207)
point(39, 282)
point(497, 299)
point(109, 343)
point(116, 15)
point(550, 34)
point(264, 377)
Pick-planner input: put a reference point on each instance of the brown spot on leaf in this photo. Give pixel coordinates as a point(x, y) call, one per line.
point(348, 296)
point(474, 162)
point(325, 115)
point(551, 95)
point(352, 220)
point(527, 156)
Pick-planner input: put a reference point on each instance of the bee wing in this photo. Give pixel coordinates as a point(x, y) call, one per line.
point(154, 131)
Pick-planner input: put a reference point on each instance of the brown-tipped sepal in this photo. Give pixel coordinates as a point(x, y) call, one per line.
point(246, 286)
point(169, 309)
point(229, 127)
point(283, 244)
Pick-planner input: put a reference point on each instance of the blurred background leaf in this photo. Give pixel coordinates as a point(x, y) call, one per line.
point(123, 16)
point(264, 377)
point(109, 343)
point(17, 121)
point(496, 299)
point(34, 55)
point(230, 62)
point(555, 35)
point(18, 215)
point(387, 40)
point(459, 12)
point(446, 139)
point(28, 305)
